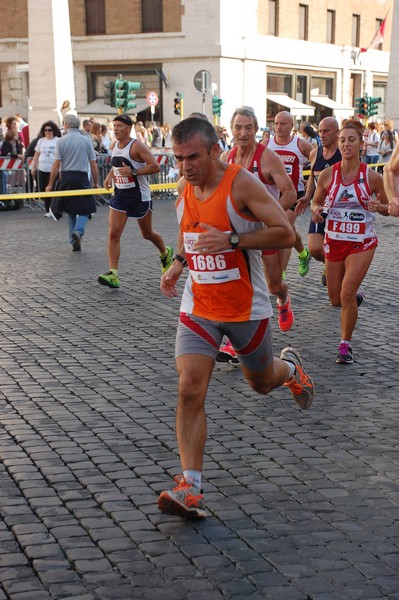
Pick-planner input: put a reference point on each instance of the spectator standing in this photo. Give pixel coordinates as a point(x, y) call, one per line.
point(105, 139)
point(141, 132)
point(222, 138)
point(309, 134)
point(265, 136)
point(386, 148)
point(156, 137)
point(74, 156)
point(23, 130)
point(87, 127)
point(167, 138)
point(371, 155)
point(44, 157)
point(96, 137)
point(12, 145)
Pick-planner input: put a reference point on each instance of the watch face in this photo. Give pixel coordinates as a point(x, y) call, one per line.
point(235, 238)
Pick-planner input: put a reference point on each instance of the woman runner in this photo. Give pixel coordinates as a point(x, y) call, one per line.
point(349, 192)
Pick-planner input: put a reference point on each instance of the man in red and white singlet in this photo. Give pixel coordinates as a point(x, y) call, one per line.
point(295, 152)
point(226, 218)
point(269, 168)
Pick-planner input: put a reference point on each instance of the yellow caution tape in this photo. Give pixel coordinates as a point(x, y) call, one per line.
point(158, 187)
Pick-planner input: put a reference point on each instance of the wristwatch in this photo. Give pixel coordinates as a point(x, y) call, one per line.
point(234, 240)
point(134, 171)
point(180, 259)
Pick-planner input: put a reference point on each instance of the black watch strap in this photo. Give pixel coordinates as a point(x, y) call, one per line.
point(180, 259)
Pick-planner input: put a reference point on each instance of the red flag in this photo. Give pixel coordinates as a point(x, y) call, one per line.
point(378, 38)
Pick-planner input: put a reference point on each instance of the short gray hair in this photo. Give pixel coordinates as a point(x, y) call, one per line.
point(72, 121)
point(186, 129)
point(245, 111)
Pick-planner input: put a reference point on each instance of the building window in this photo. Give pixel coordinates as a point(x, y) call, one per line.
point(378, 25)
point(380, 90)
point(280, 84)
point(330, 27)
point(273, 17)
point(95, 17)
point(322, 86)
point(303, 21)
point(301, 88)
point(356, 30)
point(151, 16)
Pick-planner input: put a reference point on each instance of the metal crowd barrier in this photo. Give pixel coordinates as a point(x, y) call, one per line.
point(17, 186)
point(167, 175)
point(12, 180)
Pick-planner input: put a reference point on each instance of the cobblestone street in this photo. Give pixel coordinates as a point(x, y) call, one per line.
point(302, 505)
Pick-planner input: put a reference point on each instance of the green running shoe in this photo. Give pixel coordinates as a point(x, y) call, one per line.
point(166, 259)
point(303, 266)
point(109, 279)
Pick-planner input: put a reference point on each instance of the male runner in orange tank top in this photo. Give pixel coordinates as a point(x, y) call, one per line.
point(222, 210)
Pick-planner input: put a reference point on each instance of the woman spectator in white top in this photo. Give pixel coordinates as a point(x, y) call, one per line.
point(372, 142)
point(44, 157)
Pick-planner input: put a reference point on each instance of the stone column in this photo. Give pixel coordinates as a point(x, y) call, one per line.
point(51, 78)
point(392, 106)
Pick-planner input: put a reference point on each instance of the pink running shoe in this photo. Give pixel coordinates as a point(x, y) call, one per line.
point(227, 354)
point(285, 315)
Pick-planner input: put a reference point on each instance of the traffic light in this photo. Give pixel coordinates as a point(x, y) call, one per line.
point(362, 105)
point(130, 88)
point(177, 105)
point(216, 105)
point(109, 93)
point(120, 94)
point(373, 105)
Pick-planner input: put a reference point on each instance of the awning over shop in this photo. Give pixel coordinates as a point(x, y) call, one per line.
point(297, 109)
point(329, 103)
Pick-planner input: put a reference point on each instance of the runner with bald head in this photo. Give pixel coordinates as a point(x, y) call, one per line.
point(320, 158)
point(295, 152)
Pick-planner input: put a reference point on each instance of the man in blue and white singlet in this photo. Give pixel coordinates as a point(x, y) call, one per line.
point(131, 162)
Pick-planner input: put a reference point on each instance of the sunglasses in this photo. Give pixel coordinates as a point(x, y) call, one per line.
point(47, 129)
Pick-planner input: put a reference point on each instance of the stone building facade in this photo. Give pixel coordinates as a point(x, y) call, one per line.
point(297, 54)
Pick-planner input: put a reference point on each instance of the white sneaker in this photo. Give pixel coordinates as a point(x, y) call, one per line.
point(48, 215)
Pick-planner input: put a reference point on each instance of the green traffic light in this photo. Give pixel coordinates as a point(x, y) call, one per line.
point(109, 93)
point(216, 106)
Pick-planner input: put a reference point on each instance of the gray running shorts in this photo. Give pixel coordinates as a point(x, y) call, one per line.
point(252, 340)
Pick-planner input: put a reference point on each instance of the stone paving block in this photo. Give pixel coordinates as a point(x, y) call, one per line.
point(41, 595)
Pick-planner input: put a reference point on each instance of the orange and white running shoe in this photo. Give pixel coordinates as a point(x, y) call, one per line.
point(301, 386)
point(185, 500)
point(285, 315)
